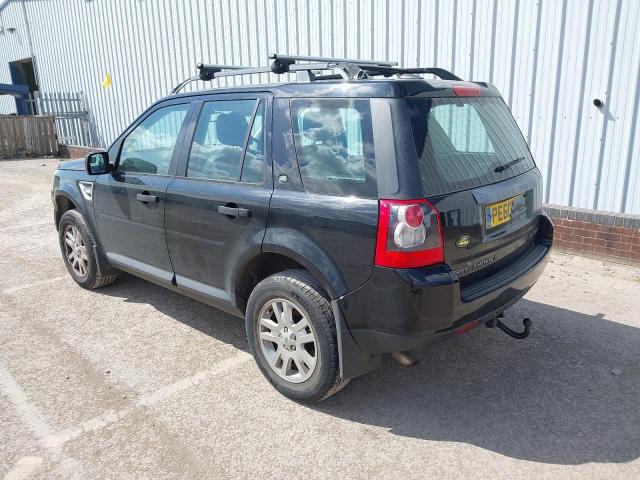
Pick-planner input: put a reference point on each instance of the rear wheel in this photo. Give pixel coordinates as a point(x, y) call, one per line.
point(292, 335)
point(77, 247)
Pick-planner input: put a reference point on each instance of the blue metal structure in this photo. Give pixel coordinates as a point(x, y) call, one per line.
point(21, 94)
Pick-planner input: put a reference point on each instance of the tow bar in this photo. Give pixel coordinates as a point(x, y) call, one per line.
point(497, 322)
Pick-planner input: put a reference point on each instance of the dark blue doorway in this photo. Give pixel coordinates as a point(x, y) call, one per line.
point(23, 73)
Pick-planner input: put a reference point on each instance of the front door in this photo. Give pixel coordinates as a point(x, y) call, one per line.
point(130, 202)
point(217, 205)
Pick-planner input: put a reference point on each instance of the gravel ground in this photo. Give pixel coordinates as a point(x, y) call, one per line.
point(134, 381)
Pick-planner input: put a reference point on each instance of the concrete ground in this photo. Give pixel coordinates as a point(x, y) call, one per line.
point(134, 381)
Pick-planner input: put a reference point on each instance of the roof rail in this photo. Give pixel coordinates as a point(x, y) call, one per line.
point(348, 69)
point(389, 71)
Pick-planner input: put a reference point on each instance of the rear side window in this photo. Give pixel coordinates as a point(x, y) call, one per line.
point(465, 143)
point(219, 139)
point(334, 145)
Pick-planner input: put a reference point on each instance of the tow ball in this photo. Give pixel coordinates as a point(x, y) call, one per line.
point(497, 322)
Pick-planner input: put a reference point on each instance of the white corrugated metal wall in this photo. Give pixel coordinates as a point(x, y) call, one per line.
point(549, 58)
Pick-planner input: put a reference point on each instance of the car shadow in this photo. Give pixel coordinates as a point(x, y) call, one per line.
point(569, 394)
point(199, 316)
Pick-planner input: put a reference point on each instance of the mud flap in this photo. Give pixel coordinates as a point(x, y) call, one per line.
point(353, 361)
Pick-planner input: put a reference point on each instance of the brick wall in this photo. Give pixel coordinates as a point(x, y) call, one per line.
point(74, 151)
point(602, 235)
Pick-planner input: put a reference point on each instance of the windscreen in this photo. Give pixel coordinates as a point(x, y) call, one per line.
point(465, 143)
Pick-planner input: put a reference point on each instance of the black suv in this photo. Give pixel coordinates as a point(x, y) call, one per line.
point(364, 211)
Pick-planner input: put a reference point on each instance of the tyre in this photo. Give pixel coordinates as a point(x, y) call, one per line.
point(292, 336)
point(77, 247)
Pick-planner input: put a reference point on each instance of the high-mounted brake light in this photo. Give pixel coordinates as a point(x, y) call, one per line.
point(409, 234)
point(467, 91)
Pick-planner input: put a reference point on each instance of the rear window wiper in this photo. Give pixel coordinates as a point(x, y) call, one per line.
point(502, 168)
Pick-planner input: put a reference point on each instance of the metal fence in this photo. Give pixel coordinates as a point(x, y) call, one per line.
point(70, 113)
point(27, 135)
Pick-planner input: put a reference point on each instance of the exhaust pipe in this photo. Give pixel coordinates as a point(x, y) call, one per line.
point(405, 359)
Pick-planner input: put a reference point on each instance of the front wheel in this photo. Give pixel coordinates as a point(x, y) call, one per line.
point(292, 336)
point(77, 247)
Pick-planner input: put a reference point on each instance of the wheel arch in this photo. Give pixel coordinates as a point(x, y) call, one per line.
point(278, 257)
point(67, 197)
point(274, 259)
point(63, 203)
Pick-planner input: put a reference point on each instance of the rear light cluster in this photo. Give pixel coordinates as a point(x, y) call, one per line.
point(409, 234)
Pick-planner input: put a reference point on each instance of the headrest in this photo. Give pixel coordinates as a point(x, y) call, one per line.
point(231, 129)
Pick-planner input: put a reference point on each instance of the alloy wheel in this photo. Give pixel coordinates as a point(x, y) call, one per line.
point(75, 251)
point(287, 340)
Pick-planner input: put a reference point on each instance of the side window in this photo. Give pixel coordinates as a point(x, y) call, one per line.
point(253, 165)
point(149, 147)
point(218, 140)
point(462, 127)
point(334, 145)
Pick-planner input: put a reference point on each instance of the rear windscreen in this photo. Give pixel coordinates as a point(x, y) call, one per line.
point(464, 143)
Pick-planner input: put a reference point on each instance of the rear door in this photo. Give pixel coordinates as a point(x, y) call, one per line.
point(130, 202)
point(478, 172)
point(217, 205)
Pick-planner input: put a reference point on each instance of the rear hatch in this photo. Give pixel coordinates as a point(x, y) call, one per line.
point(476, 169)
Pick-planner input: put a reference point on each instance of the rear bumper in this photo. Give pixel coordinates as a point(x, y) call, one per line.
point(400, 310)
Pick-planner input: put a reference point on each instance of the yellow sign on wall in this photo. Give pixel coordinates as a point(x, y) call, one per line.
point(106, 83)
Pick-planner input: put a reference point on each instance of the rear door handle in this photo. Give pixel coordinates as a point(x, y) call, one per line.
point(146, 198)
point(233, 211)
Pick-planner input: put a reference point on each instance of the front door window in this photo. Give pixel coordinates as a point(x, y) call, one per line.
point(149, 147)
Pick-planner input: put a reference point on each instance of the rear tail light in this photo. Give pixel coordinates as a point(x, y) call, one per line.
point(409, 234)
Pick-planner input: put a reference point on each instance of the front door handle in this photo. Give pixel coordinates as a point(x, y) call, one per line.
point(233, 211)
point(146, 198)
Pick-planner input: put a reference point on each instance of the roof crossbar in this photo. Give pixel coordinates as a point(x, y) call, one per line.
point(347, 69)
point(292, 68)
point(208, 72)
point(303, 58)
point(352, 67)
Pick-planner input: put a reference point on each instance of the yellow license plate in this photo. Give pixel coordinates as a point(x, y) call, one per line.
point(498, 213)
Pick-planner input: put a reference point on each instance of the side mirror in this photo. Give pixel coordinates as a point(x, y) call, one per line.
point(97, 163)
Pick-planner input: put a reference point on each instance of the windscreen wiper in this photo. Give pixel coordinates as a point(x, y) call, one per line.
point(502, 168)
